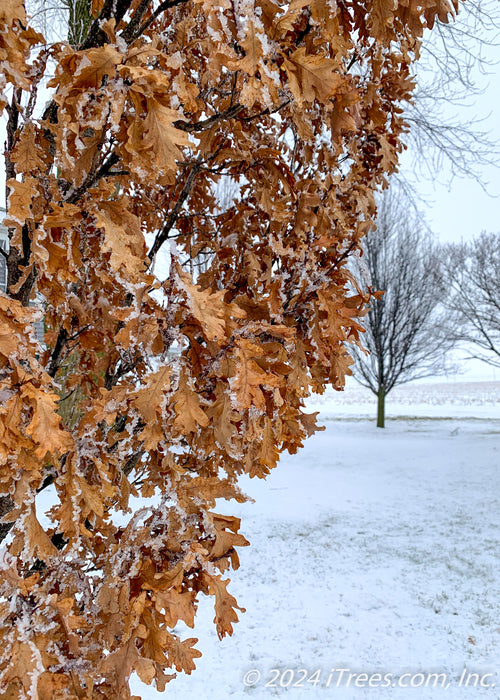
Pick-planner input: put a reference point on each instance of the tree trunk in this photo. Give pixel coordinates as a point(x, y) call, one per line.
point(381, 408)
point(6, 505)
point(79, 21)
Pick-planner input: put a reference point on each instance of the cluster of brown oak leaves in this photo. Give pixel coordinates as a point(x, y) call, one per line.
point(169, 385)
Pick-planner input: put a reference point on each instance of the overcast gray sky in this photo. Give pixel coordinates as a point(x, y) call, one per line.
point(465, 209)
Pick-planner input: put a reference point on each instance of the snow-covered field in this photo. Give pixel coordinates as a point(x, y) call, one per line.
point(445, 400)
point(375, 551)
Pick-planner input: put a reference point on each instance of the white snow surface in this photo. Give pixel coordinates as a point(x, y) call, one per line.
point(372, 550)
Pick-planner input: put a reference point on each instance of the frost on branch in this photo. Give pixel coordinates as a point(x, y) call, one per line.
point(165, 378)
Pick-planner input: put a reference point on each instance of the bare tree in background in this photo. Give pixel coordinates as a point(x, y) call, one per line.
point(404, 326)
point(446, 136)
point(472, 274)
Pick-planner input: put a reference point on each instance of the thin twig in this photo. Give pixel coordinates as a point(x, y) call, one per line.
point(164, 6)
point(174, 214)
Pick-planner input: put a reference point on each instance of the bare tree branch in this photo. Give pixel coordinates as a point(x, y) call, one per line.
point(472, 273)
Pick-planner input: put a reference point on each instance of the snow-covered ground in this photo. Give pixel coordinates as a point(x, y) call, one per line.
point(372, 550)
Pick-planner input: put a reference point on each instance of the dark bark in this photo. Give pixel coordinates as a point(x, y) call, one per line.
point(6, 505)
point(56, 353)
point(381, 408)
